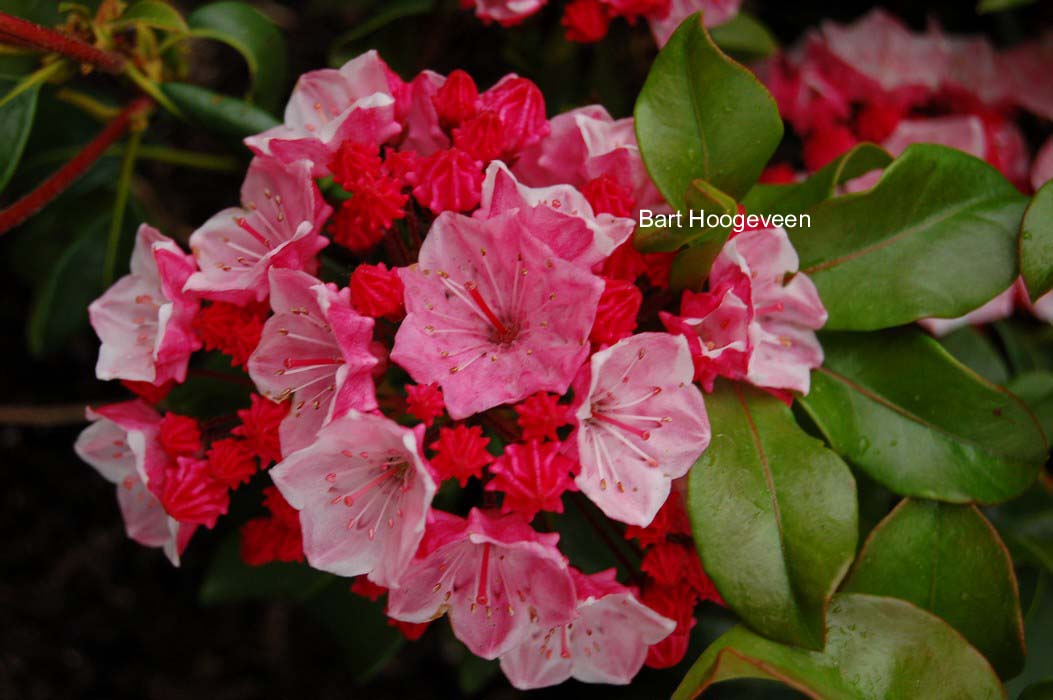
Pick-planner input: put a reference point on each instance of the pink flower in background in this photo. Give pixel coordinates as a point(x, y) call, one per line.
point(363, 490)
point(1042, 171)
point(492, 314)
point(496, 578)
point(559, 215)
point(504, 12)
point(145, 319)
point(328, 107)
point(122, 445)
point(640, 424)
point(316, 350)
point(278, 225)
point(714, 12)
point(996, 309)
point(606, 643)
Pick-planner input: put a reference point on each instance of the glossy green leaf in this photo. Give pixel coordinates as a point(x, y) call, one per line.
point(949, 560)
point(1036, 390)
point(898, 406)
point(1028, 346)
point(1036, 243)
point(691, 266)
point(744, 36)
point(878, 649)
point(798, 197)
point(16, 121)
point(700, 115)
point(1026, 525)
point(254, 36)
point(156, 15)
point(935, 237)
point(1037, 596)
point(974, 348)
point(219, 113)
point(230, 580)
point(702, 199)
point(773, 514)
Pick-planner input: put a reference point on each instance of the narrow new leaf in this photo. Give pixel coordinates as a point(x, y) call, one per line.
point(897, 405)
point(701, 115)
point(949, 560)
point(935, 237)
point(774, 515)
point(16, 121)
point(878, 649)
point(219, 113)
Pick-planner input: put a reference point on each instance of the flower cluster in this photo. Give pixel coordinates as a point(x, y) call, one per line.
point(587, 21)
point(876, 80)
point(496, 337)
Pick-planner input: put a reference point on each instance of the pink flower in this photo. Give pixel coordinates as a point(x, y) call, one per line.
point(505, 12)
point(520, 105)
point(377, 291)
point(558, 215)
point(584, 144)
point(996, 309)
point(785, 315)
point(363, 491)
point(460, 453)
point(640, 424)
point(315, 348)
point(496, 578)
point(145, 319)
point(424, 402)
point(457, 100)
point(606, 643)
point(493, 314)
point(278, 226)
point(616, 316)
point(1027, 71)
point(716, 325)
point(328, 107)
point(449, 180)
point(121, 444)
point(541, 415)
point(533, 477)
point(422, 123)
point(586, 21)
point(714, 12)
point(1042, 171)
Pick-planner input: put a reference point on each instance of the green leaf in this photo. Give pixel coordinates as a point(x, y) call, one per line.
point(973, 348)
point(219, 113)
point(1036, 390)
point(878, 649)
point(691, 266)
point(1038, 627)
point(744, 36)
point(156, 15)
point(949, 560)
point(701, 115)
point(1026, 525)
point(16, 121)
point(231, 580)
point(1036, 243)
point(1028, 346)
point(935, 237)
point(774, 515)
point(800, 196)
point(250, 33)
point(988, 6)
point(898, 406)
point(702, 199)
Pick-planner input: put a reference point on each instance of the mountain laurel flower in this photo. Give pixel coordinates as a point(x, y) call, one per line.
point(192, 495)
point(449, 180)
point(424, 402)
point(329, 107)
point(121, 444)
point(532, 477)
point(505, 12)
point(233, 330)
point(640, 424)
point(180, 436)
point(541, 415)
point(493, 315)
point(460, 453)
point(363, 490)
point(457, 100)
point(618, 309)
point(276, 537)
point(482, 137)
point(145, 319)
point(377, 292)
point(559, 215)
point(260, 427)
point(315, 350)
point(520, 105)
point(277, 225)
point(497, 579)
point(606, 643)
point(231, 462)
point(586, 21)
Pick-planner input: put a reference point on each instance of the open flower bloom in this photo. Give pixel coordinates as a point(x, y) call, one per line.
point(121, 444)
point(144, 320)
point(505, 12)
point(640, 424)
point(315, 349)
point(493, 315)
point(363, 491)
point(328, 107)
point(497, 579)
point(277, 226)
point(559, 215)
point(606, 643)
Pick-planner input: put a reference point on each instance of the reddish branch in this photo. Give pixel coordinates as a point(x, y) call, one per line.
point(64, 177)
point(14, 30)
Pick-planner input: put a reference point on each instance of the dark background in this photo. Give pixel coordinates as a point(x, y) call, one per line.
point(84, 612)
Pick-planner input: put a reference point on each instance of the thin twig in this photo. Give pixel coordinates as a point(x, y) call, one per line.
point(14, 30)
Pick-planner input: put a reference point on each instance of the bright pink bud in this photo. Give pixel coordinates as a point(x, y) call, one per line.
point(521, 107)
point(631, 9)
point(457, 100)
point(541, 415)
point(606, 196)
point(191, 495)
point(532, 477)
point(824, 145)
point(377, 291)
point(355, 164)
point(586, 21)
point(449, 180)
point(231, 462)
point(482, 137)
point(877, 120)
point(363, 219)
point(180, 436)
point(424, 402)
point(461, 453)
point(616, 317)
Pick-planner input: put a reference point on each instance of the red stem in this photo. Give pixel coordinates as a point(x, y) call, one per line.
point(19, 31)
point(52, 187)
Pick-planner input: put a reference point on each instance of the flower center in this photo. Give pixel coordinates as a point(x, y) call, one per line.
point(503, 333)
